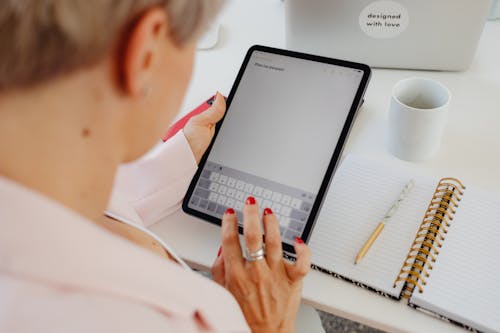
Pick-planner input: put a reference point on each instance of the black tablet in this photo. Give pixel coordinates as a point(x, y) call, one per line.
point(288, 117)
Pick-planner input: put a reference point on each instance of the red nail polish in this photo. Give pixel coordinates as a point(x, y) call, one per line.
point(220, 251)
point(250, 201)
point(230, 211)
point(299, 240)
point(268, 211)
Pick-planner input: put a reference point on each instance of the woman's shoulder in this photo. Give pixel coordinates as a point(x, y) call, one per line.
point(58, 249)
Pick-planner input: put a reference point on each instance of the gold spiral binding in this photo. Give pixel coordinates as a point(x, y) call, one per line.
point(430, 236)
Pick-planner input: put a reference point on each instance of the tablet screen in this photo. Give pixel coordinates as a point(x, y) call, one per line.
point(277, 139)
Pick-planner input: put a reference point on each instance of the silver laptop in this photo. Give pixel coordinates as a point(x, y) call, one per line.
point(415, 34)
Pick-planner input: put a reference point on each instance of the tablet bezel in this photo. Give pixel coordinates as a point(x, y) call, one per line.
point(357, 101)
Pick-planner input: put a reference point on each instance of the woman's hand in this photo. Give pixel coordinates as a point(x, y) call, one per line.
point(268, 290)
point(200, 129)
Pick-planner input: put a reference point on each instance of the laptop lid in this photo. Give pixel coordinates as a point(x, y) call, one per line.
point(424, 34)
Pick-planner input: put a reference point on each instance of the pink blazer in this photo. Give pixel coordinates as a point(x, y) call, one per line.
point(153, 187)
point(62, 273)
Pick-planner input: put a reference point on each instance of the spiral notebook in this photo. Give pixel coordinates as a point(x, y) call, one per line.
point(440, 250)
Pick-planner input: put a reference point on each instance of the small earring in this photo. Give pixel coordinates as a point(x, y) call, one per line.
point(145, 91)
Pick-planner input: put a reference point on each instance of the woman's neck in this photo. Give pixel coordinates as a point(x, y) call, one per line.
point(61, 142)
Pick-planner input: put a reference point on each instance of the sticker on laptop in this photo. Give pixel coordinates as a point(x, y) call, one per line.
point(384, 19)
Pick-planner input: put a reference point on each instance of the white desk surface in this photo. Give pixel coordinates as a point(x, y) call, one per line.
point(470, 150)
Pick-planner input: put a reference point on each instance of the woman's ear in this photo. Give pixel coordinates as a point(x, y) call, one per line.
point(141, 50)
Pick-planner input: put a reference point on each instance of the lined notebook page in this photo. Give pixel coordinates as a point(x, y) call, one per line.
point(465, 282)
point(360, 194)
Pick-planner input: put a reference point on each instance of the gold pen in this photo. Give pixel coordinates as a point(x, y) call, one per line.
point(381, 225)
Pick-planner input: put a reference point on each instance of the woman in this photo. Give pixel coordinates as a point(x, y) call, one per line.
point(86, 86)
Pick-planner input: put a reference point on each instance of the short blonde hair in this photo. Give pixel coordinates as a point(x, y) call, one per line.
point(43, 39)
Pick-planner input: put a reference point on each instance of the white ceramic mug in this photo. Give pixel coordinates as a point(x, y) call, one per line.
point(417, 118)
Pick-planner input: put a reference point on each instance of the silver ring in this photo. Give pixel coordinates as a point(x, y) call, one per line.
point(255, 255)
